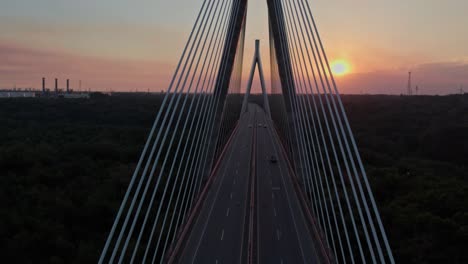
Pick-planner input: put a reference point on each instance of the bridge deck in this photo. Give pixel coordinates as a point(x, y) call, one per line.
point(223, 227)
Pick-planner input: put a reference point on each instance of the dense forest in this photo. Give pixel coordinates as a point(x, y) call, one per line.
point(65, 165)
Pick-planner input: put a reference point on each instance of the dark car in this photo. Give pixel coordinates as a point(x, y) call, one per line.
point(273, 159)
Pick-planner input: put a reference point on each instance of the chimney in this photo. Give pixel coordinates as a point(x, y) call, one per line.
point(56, 85)
point(43, 86)
point(68, 86)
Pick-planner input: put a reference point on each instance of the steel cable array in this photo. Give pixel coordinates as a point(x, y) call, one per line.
point(321, 142)
point(175, 161)
point(199, 113)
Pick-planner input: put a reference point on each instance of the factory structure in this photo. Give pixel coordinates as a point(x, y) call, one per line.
point(57, 92)
point(17, 93)
point(61, 93)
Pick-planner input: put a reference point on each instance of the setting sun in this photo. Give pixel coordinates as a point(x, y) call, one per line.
point(340, 67)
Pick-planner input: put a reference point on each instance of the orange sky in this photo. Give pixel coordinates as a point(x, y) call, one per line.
point(117, 45)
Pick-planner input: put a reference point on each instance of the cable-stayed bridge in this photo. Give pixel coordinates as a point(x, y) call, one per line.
point(224, 180)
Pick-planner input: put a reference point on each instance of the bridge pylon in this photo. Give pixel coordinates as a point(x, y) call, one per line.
point(198, 120)
point(257, 61)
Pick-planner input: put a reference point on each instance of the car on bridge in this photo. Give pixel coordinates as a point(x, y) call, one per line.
point(273, 159)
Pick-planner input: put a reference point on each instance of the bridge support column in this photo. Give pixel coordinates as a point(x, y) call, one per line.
point(236, 22)
point(256, 61)
point(280, 42)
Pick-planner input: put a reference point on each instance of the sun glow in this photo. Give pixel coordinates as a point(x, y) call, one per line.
point(340, 67)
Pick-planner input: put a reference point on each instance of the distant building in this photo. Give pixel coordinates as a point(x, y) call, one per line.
point(76, 95)
point(67, 93)
point(17, 94)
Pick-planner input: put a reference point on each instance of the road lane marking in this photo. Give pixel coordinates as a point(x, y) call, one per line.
point(227, 213)
point(200, 238)
point(277, 234)
point(287, 198)
point(274, 211)
point(231, 195)
point(222, 234)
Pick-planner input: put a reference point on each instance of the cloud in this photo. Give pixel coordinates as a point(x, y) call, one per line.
point(26, 66)
point(447, 71)
point(431, 78)
point(111, 39)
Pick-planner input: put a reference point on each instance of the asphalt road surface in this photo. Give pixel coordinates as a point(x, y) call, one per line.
point(224, 229)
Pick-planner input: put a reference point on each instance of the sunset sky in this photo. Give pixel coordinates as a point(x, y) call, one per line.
point(128, 45)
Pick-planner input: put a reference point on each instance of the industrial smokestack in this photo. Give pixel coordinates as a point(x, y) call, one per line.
point(43, 86)
point(56, 85)
point(68, 86)
point(410, 89)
